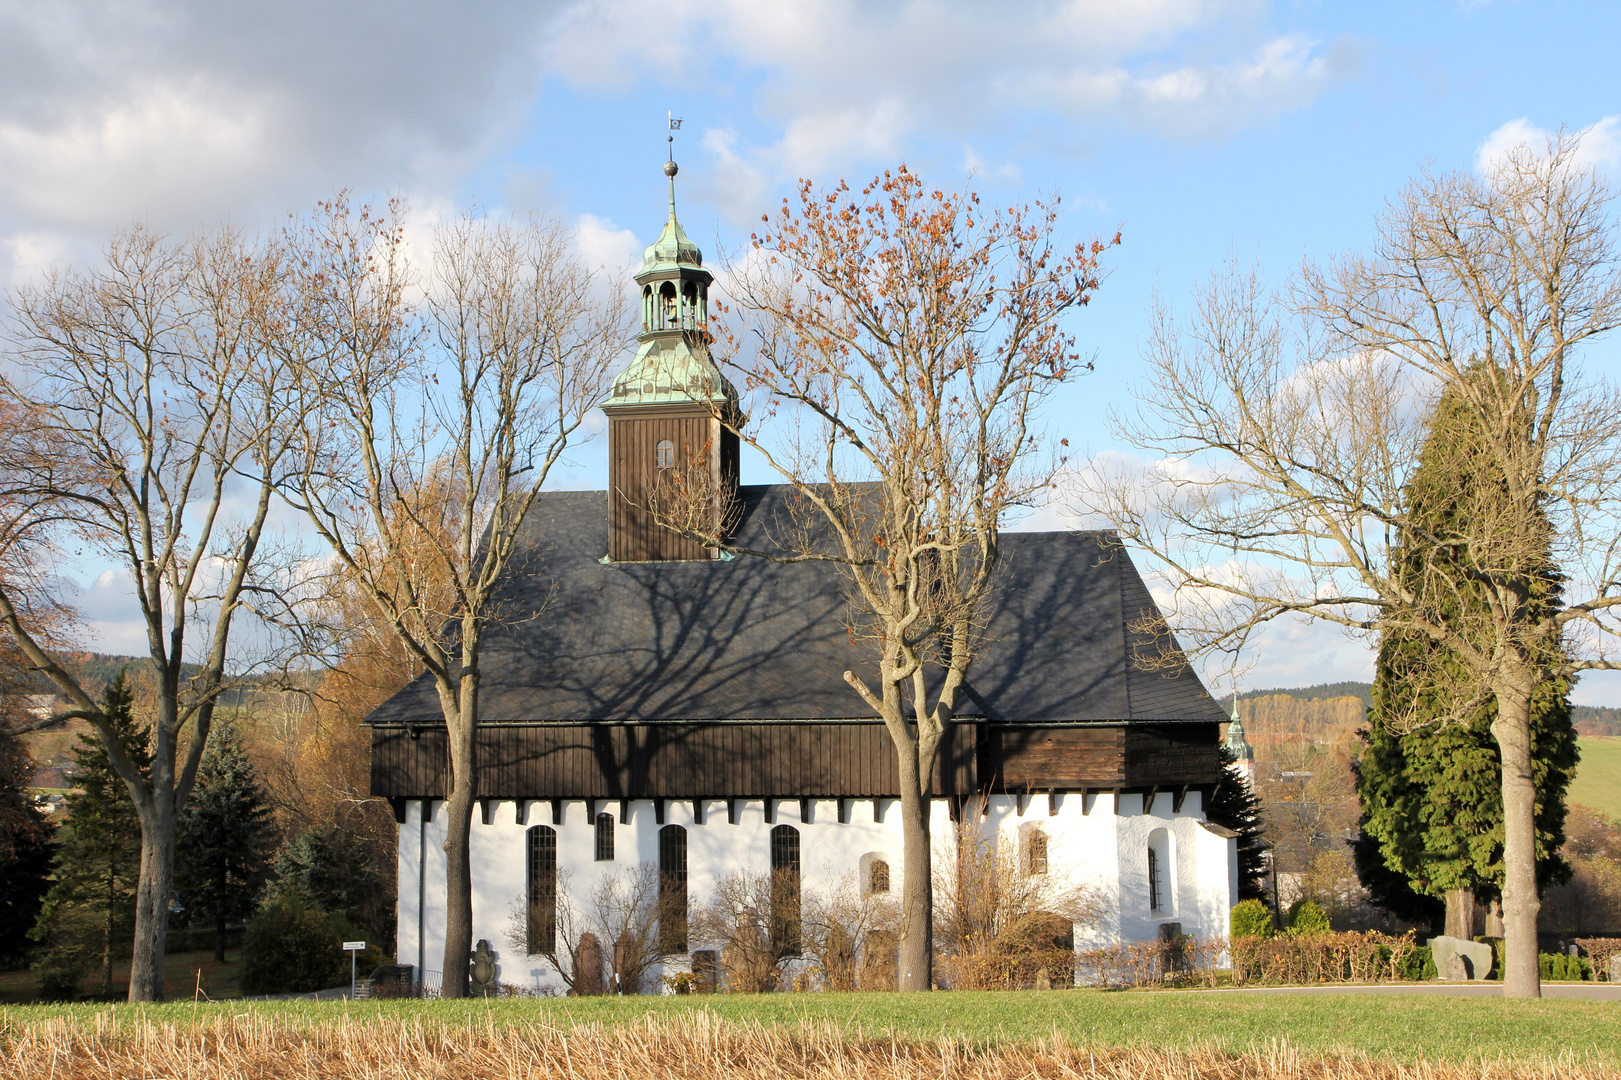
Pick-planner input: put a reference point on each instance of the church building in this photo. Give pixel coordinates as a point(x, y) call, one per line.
point(669, 706)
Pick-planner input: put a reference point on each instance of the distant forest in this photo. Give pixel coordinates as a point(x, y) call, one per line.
point(96, 672)
point(1590, 720)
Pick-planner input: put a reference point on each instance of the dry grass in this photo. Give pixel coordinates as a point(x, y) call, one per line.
point(698, 1046)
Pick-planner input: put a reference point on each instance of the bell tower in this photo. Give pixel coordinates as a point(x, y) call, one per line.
point(666, 438)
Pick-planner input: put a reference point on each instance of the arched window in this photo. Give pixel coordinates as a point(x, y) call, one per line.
point(785, 889)
point(670, 317)
point(878, 876)
point(1035, 852)
point(1161, 895)
point(672, 889)
point(647, 307)
point(689, 305)
point(605, 838)
point(542, 859)
point(664, 454)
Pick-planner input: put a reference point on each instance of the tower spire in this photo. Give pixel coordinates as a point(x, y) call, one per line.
point(670, 167)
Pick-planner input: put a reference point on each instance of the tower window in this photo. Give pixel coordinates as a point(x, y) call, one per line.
point(605, 838)
point(673, 889)
point(664, 454)
point(878, 877)
point(671, 318)
point(785, 889)
point(542, 890)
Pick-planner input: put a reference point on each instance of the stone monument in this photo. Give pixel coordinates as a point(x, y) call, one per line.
point(588, 966)
point(484, 971)
point(1460, 960)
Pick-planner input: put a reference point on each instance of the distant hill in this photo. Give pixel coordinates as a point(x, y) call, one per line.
point(1590, 720)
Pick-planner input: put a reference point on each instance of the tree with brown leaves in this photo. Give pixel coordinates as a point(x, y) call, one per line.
point(907, 337)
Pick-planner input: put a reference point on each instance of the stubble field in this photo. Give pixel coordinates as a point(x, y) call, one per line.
point(867, 1036)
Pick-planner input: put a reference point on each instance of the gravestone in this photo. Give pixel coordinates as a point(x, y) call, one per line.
point(1615, 967)
point(588, 966)
point(1460, 960)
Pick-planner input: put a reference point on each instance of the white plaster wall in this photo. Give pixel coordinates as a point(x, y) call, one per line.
point(1092, 843)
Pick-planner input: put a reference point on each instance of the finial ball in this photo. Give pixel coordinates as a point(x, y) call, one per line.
point(671, 168)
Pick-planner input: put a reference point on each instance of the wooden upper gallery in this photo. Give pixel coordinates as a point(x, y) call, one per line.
point(711, 678)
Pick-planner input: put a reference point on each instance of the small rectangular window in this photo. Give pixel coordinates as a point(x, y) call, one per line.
point(605, 838)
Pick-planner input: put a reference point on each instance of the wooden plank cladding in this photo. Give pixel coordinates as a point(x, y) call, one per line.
point(669, 761)
point(785, 760)
point(1077, 758)
point(633, 535)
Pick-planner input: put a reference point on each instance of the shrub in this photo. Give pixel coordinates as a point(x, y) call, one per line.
point(1419, 965)
point(1557, 967)
point(1305, 917)
point(1251, 918)
point(292, 946)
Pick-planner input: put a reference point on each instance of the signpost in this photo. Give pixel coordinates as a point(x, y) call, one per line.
point(354, 947)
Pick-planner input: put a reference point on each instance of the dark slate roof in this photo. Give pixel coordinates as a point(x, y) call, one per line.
point(750, 639)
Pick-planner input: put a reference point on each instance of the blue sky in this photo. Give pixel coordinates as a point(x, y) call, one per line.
point(1273, 131)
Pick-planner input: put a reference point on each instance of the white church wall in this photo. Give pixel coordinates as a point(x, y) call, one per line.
point(1092, 844)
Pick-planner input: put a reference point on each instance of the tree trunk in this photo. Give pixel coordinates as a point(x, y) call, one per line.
point(219, 936)
point(1460, 913)
point(1512, 729)
point(152, 893)
point(916, 968)
point(462, 731)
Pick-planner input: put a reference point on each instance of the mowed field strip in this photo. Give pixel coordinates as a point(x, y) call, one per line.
point(1394, 1028)
point(1598, 776)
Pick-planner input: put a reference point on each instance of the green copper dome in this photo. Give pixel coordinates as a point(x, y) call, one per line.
point(669, 371)
point(673, 365)
point(673, 248)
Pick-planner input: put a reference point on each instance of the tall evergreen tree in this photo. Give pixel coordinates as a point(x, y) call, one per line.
point(331, 867)
point(25, 852)
point(1235, 805)
point(223, 839)
point(1432, 806)
point(90, 909)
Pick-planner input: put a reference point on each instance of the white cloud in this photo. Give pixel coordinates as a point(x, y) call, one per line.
point(850, 82)
point(600, 244)
point(1600, 146)
point(181, 112)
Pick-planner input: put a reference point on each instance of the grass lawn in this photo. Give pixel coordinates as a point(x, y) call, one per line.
point(1402, 1028)
point(1598, 776)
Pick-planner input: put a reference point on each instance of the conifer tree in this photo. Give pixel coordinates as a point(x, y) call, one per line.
point(90, 909)
point(25, 851)
point(1235, 805)
point(1432, 805)
point(223, 839)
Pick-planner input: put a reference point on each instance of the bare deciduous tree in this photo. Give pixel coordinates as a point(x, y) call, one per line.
point(1290, 432)
point(743, 919)
point(1004, 914)
point(432, 431)
point(909, 336)
point(156, 429)
point(841, 920)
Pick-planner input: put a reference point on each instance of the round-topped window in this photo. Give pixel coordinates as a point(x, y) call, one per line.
point(664, 454)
